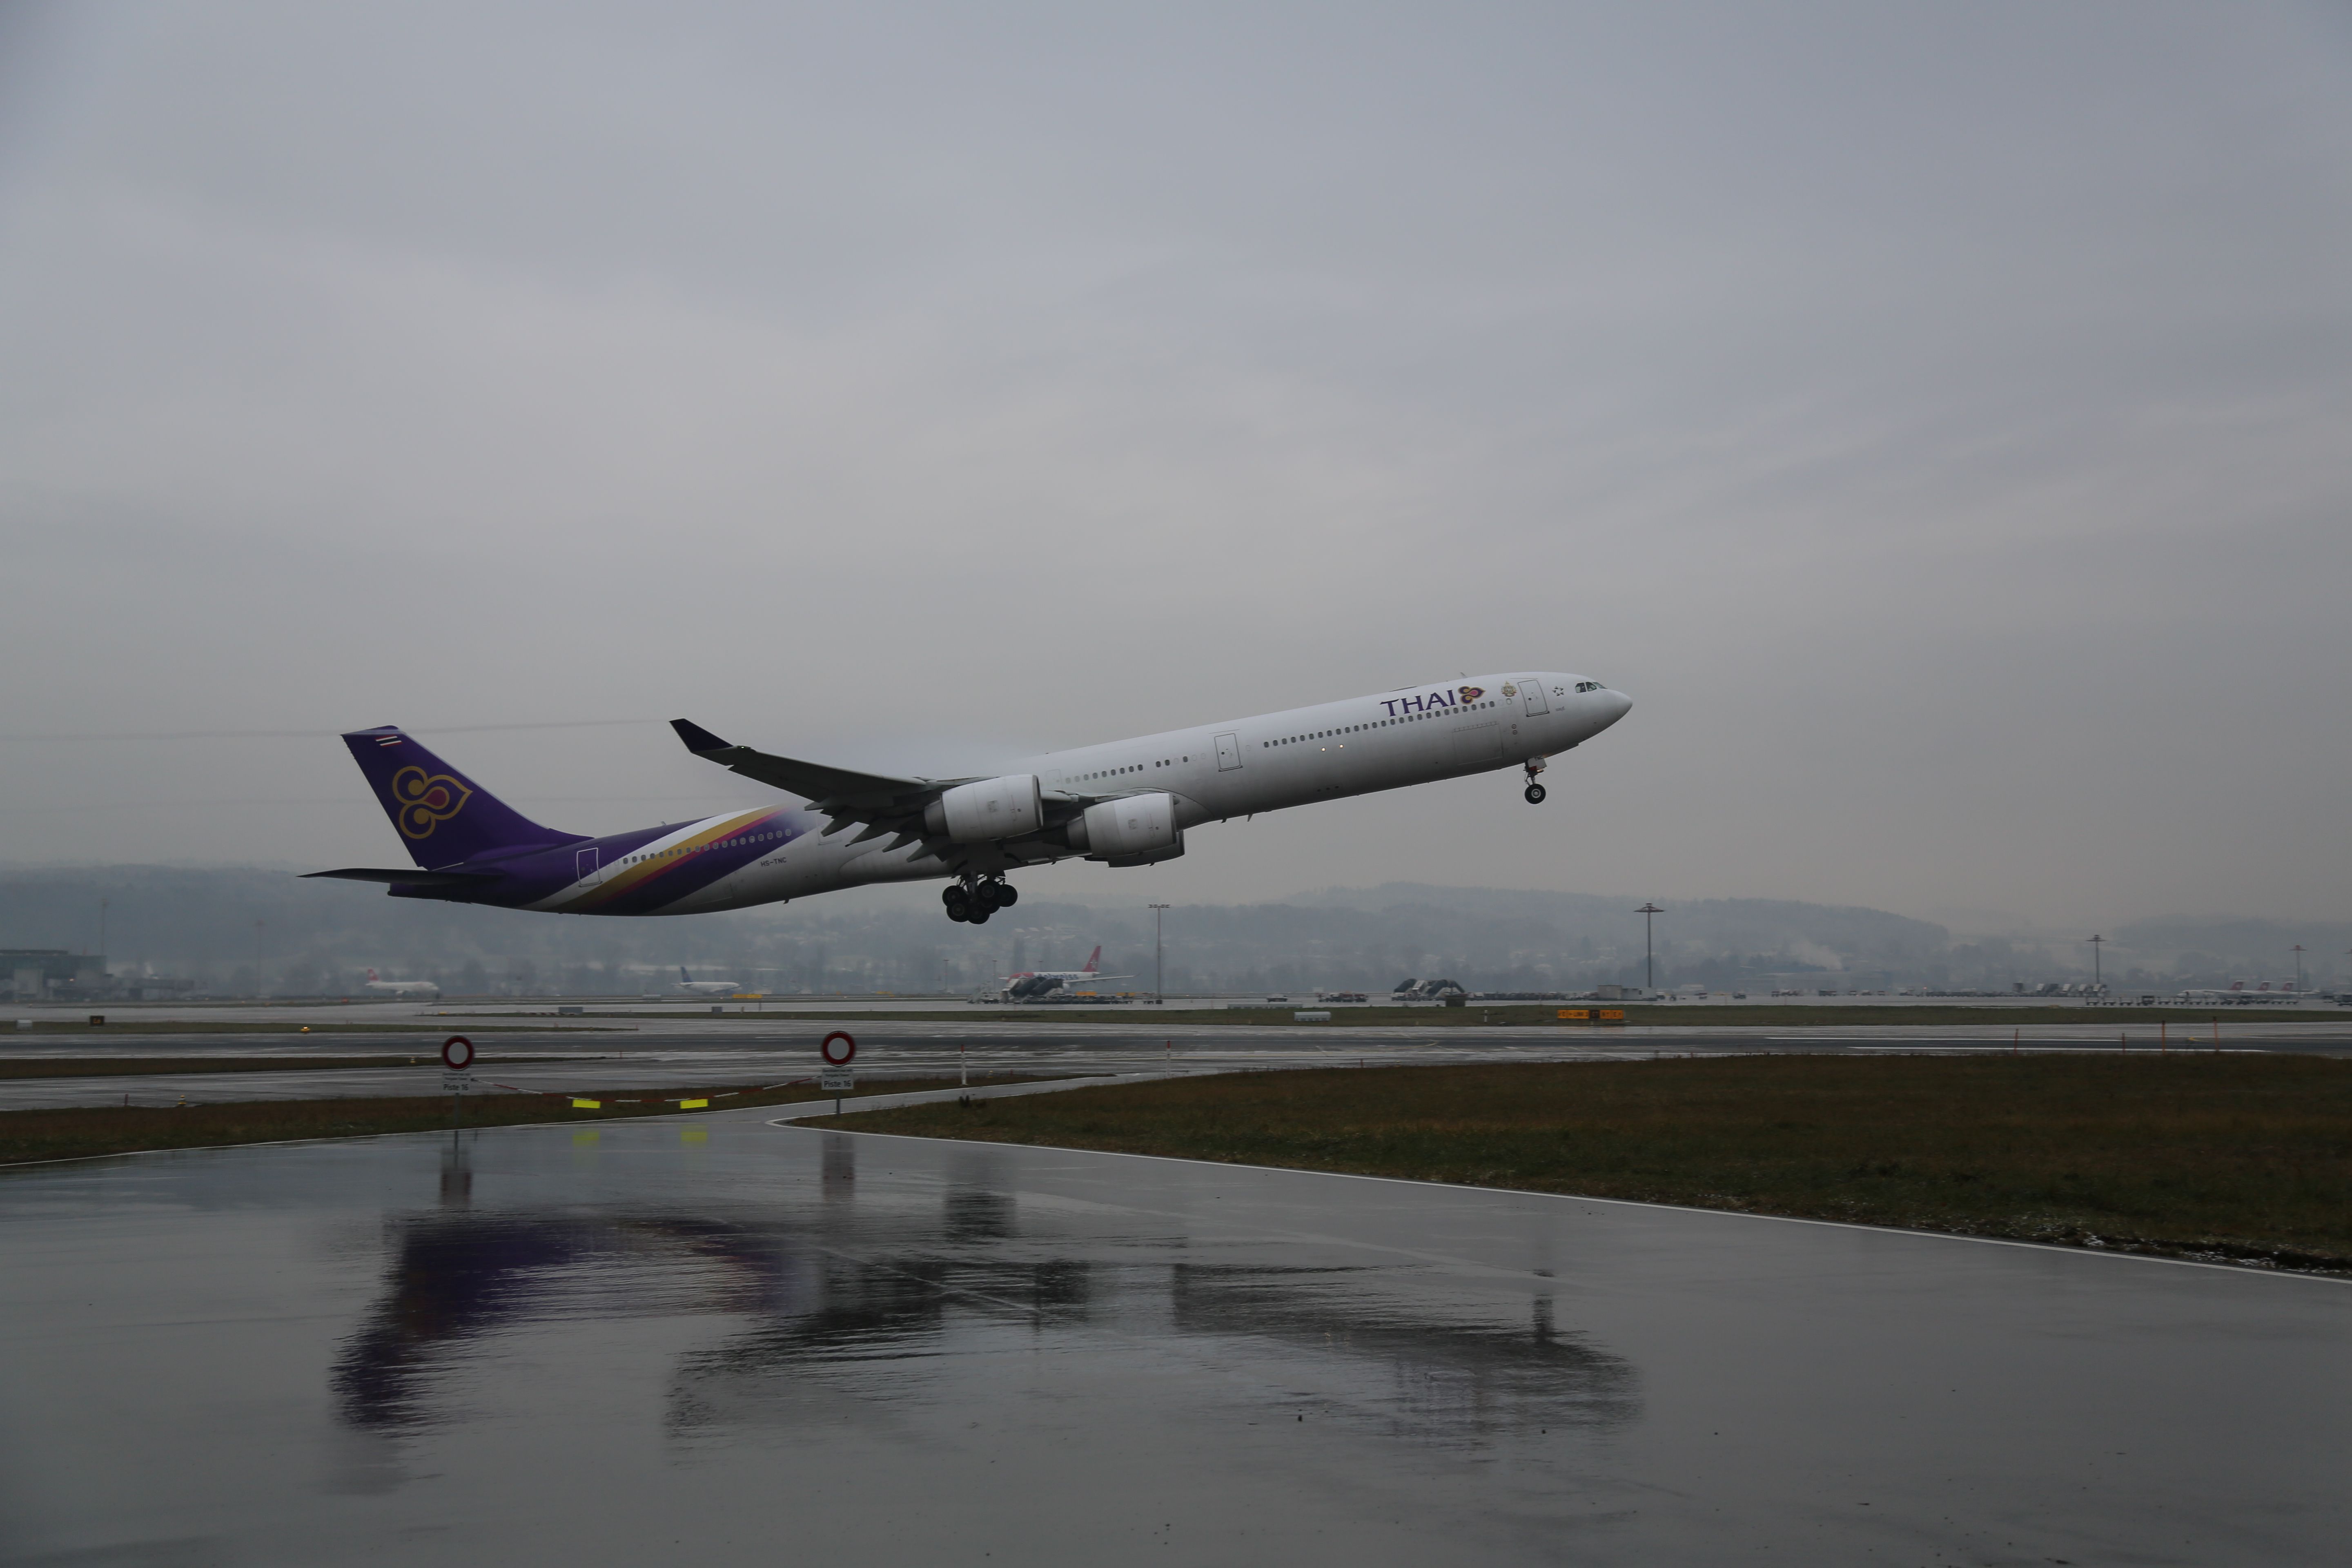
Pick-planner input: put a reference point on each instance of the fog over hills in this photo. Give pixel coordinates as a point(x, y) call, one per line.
point(239, 931)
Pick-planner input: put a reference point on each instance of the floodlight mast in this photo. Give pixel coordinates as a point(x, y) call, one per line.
point(1158, 994)
point(2095, 940)
point(1649, 951)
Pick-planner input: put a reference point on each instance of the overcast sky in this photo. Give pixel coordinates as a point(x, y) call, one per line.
point(1937, 417)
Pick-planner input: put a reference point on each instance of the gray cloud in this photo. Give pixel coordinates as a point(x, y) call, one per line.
point(1935, 419)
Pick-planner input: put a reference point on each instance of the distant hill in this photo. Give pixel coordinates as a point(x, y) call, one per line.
point(235, 929)
point(2214, 951)
point(1780, 933)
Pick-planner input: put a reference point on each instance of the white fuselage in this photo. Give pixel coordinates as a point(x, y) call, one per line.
point(1240, 767)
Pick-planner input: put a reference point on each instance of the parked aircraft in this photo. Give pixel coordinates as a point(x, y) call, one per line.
point(2237, 994)
point(1031, 983)
point(1123, 802)
point(693, 987)
point(403, 987)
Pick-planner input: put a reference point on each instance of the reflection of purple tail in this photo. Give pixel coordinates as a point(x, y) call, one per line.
point(443, 817)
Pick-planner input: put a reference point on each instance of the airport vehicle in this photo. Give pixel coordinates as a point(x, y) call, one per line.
point(402, 987)
point(1123, 803)
point(1031, 984)
point(693, 987)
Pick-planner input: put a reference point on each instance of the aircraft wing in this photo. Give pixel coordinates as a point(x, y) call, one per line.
point(405, 876)
point(837, 792)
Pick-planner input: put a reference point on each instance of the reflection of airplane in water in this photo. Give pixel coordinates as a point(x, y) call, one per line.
point(2237, 994)
point(402, 987)
point(1031, 983)
point(810, 1318)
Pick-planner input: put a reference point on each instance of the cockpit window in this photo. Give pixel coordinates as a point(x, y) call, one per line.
point(1590, 686)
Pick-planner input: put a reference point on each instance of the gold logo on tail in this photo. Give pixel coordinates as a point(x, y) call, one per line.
point(425, 801)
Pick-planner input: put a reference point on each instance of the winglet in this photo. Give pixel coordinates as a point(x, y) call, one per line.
point(698, 739)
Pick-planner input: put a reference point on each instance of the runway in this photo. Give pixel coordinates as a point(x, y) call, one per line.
point(661, 1052)
point(719, 1340)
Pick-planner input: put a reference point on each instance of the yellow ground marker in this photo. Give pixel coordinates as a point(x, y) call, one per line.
point(693, 1104)
point(587, 1105)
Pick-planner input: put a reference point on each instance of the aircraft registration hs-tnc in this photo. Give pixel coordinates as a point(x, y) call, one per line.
point(1127, 803)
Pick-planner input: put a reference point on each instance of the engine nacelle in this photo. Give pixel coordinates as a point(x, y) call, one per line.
point(990, 809)
point(1134, 830)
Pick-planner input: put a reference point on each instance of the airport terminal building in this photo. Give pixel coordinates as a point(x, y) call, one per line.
point(50, 973)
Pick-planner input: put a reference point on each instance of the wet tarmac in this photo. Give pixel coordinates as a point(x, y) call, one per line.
point(726, 1341)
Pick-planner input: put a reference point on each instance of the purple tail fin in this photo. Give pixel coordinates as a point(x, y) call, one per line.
point(443, 817)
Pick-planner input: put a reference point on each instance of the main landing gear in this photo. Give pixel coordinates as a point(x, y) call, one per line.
point(974, 899)
point(1535, 792)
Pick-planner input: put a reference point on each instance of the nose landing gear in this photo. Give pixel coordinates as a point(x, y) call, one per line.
point(974, 899)
point(1535, 792)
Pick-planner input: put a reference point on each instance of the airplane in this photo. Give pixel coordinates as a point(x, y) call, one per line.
point(1123, 804)
point(403, 987)
point(2238, 996)
point(688, 983)
point(1031, 983)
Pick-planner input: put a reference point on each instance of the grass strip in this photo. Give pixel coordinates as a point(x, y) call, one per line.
point(2246, 1158)
point(82, 1132)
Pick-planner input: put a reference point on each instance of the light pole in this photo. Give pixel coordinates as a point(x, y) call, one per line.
point(2297, 951)
point(2095, 941)
point(1158, 995)
point(1649, 951)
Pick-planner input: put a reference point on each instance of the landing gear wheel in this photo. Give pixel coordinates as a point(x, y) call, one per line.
point(1007, 895)
point(959, 906)
point(1534, 795)
point(978, 917)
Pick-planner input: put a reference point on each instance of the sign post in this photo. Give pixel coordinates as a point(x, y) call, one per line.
point(836, 1078)
point(456, 1077)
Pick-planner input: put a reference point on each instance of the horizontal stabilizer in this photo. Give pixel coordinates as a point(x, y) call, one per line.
point(402, 877)
point(853, 794)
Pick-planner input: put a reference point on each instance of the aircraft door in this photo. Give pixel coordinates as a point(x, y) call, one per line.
point(587, 865)
point(1229, 753)
point(1533, 691)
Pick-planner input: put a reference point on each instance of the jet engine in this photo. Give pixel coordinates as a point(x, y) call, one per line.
point(990, 809)
point(1134, 830)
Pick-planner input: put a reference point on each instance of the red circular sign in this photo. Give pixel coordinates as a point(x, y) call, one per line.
point(848, 1049)
point(456, 1053)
